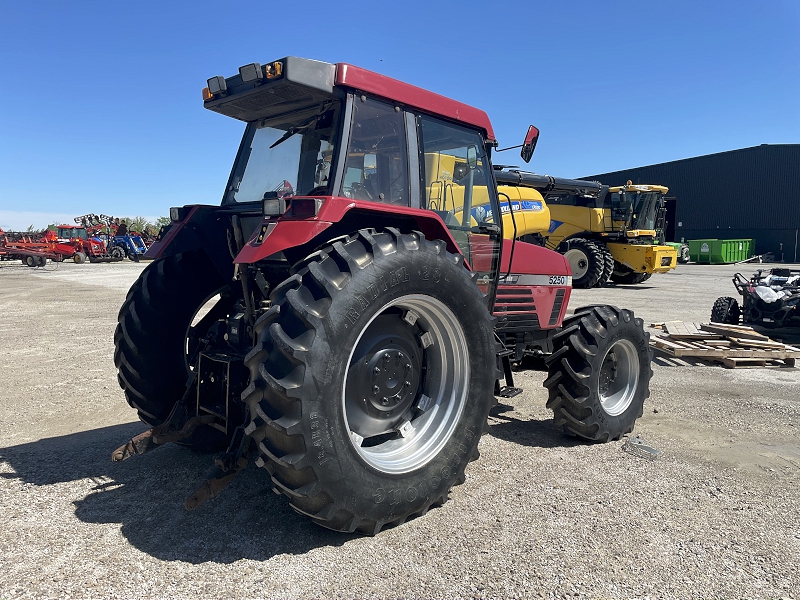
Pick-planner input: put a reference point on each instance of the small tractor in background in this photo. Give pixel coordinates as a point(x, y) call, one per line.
point(345, 316)
point(118, 242)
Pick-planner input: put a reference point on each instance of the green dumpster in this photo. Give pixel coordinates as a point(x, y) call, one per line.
point(720, 252)
point(700, 250)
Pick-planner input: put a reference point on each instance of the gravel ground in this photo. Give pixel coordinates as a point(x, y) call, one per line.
point(540, 515)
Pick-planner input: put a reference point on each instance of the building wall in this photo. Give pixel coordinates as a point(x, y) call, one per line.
point(747, 193)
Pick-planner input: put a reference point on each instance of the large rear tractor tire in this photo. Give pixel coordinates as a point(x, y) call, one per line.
point(154, 336)
point(726, 310)
point(683, 254)
point(599, 373)
point(371, 380)
point(586, 261)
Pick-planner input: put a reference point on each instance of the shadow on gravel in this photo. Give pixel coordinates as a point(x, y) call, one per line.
point(534, 433)
point(145, 494)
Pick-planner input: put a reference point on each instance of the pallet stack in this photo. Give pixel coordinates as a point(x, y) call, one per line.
point(732, 345)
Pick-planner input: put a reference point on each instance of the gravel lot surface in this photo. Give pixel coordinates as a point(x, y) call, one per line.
point(540, 515)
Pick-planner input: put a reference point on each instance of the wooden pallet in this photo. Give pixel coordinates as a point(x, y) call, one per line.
point(734, 346)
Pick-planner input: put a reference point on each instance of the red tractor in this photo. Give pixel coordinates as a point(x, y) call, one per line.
point(346, 315)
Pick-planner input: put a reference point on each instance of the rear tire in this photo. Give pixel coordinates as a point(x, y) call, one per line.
point(79, 258)
point(328, 406)
point(599, 373)
point(683, 254)
point(151, 336)
point(586, 261)
point(726, 310)
point(31, 261)
point(624, 275)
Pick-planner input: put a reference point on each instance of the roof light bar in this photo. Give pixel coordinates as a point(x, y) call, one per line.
point(217, 85)
point(251, 72)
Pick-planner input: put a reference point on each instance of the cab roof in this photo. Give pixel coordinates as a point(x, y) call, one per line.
point(302, 82)
point(348, 75)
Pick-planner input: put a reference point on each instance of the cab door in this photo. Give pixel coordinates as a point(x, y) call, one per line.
point(457, 183)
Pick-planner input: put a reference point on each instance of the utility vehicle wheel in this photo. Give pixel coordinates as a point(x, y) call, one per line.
point(683, 254)
point(117, 252)
point(608, 265)
point(599, 373)
point(79, 258)
point(371, 380)
point(41, 261)
point(725, 310)
point(155, 338)
point(31, 261)
point(586, 261)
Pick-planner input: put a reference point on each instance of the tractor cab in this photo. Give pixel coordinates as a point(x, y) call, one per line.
point(71, 232)
point(346, 137)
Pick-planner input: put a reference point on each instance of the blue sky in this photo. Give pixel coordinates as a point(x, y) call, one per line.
point(100, 108)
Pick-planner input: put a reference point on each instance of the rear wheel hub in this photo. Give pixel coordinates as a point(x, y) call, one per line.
point(385, 379)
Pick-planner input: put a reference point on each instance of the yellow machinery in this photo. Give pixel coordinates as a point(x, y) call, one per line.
point(445, 193)
point(607, 234)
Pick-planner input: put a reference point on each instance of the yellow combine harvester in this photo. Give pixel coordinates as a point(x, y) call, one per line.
point(607, 234)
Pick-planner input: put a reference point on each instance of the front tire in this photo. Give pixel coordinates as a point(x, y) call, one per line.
point(599, 373)
point(585, 260)
point(372, 380)
point(154, 332)
point(726, 310)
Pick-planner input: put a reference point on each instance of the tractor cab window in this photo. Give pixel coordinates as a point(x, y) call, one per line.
point(376, 165)
point(72, 232)
point(457, 182)
point(289, 154)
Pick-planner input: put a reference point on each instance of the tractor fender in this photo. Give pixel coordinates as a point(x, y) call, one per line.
point(204, 229)
point(296, 238)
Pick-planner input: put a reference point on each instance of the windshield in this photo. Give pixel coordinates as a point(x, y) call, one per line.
point(72, 232)
point(645, 210)
point(291, 155)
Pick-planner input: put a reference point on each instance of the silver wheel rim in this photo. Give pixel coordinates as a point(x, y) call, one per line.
point(419, 433)
point(619, 377)
point(578, 262)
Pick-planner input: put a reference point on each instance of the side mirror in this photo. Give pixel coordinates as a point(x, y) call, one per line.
point(530, 144)
point(472, 157)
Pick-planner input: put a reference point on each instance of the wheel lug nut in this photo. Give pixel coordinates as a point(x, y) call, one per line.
point(384, 401)
point(408, 384)
point(375, 389)
point(400, 356)
point(376, 370)
point(408, 366)
point(386, 357)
